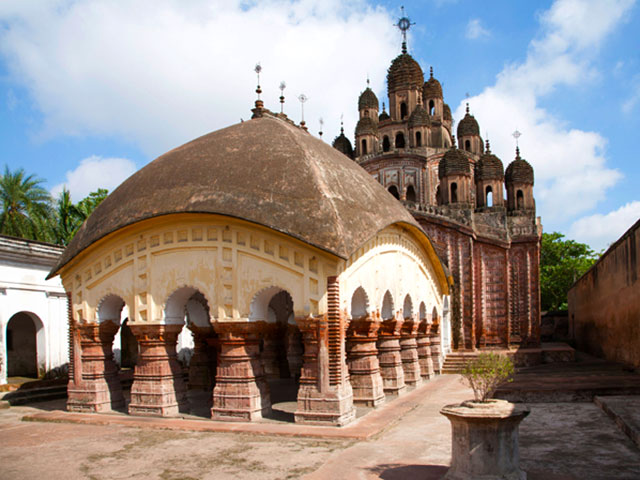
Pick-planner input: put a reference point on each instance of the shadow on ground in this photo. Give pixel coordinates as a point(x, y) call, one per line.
point(402, 472)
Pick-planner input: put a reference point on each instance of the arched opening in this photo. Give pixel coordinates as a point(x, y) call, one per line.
point(418, 139)
point(400, 140)
point(434, 316)
point(386, 144)
point(454, 192)
point(488, 196)
point(128, 346)
point(403, 111)
point(411, 194)
point(432, 107)
point(25, 346)
point(364, 147)
point(423, 311)
point(519, 200)
point(359, 303)
point(467, 145)
point(393, 190)
point(407, 307)
point(386, 312)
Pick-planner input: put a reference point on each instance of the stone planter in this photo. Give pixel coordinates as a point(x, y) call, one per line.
point(484, 443)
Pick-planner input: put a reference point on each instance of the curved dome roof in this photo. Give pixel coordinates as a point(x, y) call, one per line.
point(468, 125)
point(419, 117)
point(342, 144)
point(432, 87)
point(446, 113)
point(454, 162)
point(366, 126)
point(368, 99)
point(489, 167)
point(519, 171)
point(299, 185)
point(383, 116)
point(404, 72)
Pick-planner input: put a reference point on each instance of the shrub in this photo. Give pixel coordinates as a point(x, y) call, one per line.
point(486, 372)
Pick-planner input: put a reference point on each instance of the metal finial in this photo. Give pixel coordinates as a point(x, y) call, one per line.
point(404, 24)
point(282, 87)
point(302, 98)
point(342, 123)
point(258, 69)
point(487, 147)
point(431, 72)
point(321, 125)
point(368, 82)
point(516, 135)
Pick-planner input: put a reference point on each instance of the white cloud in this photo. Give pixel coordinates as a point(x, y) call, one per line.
point(475, 30)
point(161, 72)
point(95, 172)
point(570, 164)
point(599, 231)
point(634, 98)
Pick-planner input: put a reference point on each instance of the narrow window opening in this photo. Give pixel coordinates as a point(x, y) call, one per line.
point(519, 200)
point(467, 145)
point(386, 144)
point(432, 107)
point(400, 140)
point(489, 197)
point(418, 139)
point(411, 194)
point(364, 147)
point(403, 110)
point(454, 192)
point(393, 190)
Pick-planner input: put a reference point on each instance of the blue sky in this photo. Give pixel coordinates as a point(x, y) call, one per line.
point(91, 90)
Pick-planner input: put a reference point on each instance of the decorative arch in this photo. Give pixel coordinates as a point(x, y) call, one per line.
point(188, 303)
point(25, 345)
point(110, 308)
point(434, 316)
point(410, 194)
point(386, 144)
point(261, 304)
point(422, 311)
point(386, 311)
point(393, 190)
point(400, 143)
point(407, 307)
point(359, 303)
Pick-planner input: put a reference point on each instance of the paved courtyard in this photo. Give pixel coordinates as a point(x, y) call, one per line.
point(558, 441)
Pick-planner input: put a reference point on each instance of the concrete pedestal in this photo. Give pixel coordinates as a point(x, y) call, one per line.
point(158, 387)
point(389, 357)
point(320, 403)
point(362, 360)
point(485, 440)
point(425, 361)
point(241, 392)
point(409, 353)
point(99, 389)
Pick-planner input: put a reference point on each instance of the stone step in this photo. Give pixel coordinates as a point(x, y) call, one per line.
point(31, 395)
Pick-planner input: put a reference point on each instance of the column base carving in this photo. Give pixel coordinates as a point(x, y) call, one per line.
point(424, 351)
point(390, 359)
point(362, 359)
point(158, 387)
point(409, 353)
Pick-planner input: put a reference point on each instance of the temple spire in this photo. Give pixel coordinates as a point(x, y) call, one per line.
point(404, 24)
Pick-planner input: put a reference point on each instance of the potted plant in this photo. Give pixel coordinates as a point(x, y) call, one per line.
point(485, 430)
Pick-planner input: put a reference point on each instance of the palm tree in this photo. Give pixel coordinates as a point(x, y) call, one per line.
point(66, 218)
point(26, 209)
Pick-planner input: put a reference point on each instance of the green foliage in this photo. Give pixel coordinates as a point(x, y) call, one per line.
point(69, 217)
point(486, 372)
point(562, 262)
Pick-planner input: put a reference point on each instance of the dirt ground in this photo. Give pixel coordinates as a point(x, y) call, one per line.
point(557, 441)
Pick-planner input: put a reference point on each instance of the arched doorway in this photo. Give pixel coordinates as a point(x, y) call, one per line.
point(25, 346)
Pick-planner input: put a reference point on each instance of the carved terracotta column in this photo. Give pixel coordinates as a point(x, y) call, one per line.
point(318, 401)
point(409, 352)
point(390, 358)
point(99, 389)
point(424, 351)
point(436, 353)
point(241, 392)
point(202, 367)
point(362, 359)
point(158, 387)
point(294, 350)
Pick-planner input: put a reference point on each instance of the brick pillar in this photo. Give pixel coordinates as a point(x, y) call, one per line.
point(158, 387)
point(409, 352)
point(241, 392)
point(362, 359)
point(424, 351)
point(269, 356)
point(318, 401)
point(390, 358)
point(98, 389)
point(294, 350)
point(436, 353)
point(202, 366)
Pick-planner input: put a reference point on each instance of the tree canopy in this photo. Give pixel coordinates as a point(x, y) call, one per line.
point(29, 211)
point(562, 262)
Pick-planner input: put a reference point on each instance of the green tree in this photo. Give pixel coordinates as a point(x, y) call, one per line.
point(69, 216)
point(562, 262)
point(26, 206)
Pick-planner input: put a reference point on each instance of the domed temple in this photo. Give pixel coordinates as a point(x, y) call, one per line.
point(309, 272)
point(490, 244)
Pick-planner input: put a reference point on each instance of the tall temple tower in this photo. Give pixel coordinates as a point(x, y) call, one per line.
point(456, 191)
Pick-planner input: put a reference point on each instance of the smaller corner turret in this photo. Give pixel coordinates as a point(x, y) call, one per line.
point(519, 182)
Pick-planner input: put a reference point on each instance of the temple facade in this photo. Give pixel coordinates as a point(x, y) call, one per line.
point(289, 274)
point(480, 218)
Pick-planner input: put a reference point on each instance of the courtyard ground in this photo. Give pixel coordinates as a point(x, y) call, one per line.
point(406, 439)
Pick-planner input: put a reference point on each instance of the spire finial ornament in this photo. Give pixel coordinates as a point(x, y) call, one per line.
point(467, 108)
point(487, 147)
point(368, 82)
point(321, 125)
point(342, 123)
point(258, 69)
point(302, 98)
point(404, 24)
point(516, 135)
point(384, 107)
point(431, 71)
point(282, 87)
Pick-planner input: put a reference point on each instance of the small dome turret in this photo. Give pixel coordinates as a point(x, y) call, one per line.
point(468, 125)
point(404, 72)
point(446, 113)
point(366, 126)
point(432, 87)
point(419, 117)
point(519, 171)
point(454, 162)
point(489, 167)
point(368, 99)
point(342, 144)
